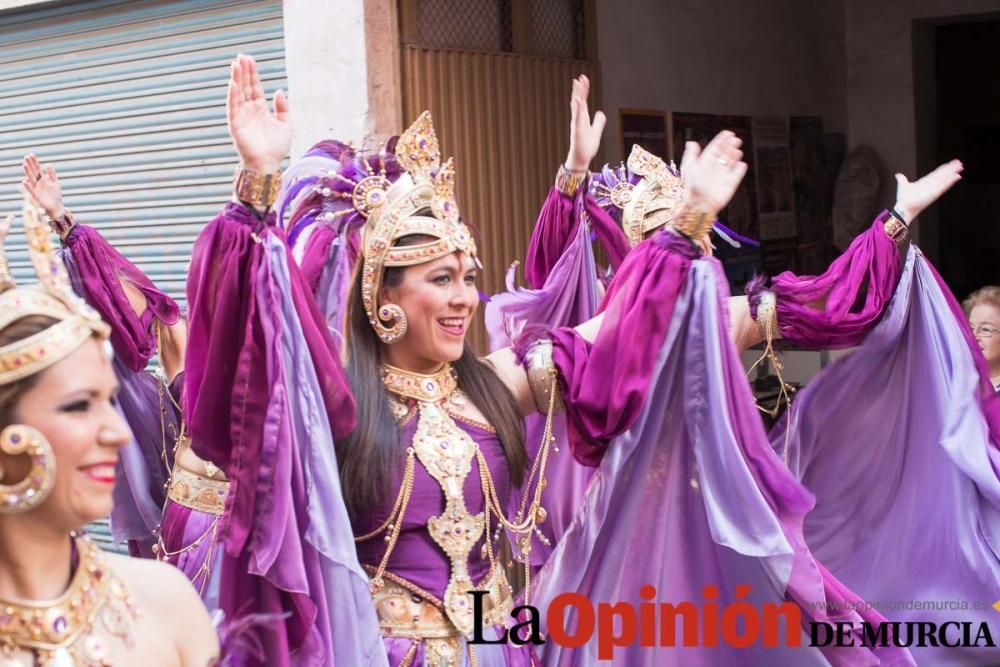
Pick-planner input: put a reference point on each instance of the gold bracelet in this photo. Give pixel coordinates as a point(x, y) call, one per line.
point(259, 190)
point(894, 226)
point(568, 182)
point(63, 224)
point(694, 223)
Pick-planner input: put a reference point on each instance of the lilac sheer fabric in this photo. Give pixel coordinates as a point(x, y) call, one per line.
point(96, 270)
point(328, 256)
point(557, 226)
point(898, 441)
point(252, 325)
point(838, 308)
point(689, 474)
point(568, 297)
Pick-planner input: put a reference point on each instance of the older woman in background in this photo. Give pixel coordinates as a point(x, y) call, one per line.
point(983, 309)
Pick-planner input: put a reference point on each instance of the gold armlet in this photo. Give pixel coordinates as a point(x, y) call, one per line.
point(259, 190)
point(542, 376)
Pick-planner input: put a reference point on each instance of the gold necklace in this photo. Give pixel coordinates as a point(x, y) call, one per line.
point(64, 631)
point(418, 386)
point(447, 453)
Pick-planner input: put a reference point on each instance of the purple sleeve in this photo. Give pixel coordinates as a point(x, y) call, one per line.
point(837, 309)
point(101, 269)
point(605, 383)
point(556, 226)
point(225, 383)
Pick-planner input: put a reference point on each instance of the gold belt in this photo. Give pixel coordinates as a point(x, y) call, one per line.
point(406, 610)
point(197, 492)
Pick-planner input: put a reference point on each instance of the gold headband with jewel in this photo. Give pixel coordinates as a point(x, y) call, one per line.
point(50, 297)
point(653, 202)
point(427, 184)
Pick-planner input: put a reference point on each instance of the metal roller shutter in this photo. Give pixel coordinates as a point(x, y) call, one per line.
point(127, 99)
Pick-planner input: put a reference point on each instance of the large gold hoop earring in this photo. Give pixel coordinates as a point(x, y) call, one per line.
point(21, 440)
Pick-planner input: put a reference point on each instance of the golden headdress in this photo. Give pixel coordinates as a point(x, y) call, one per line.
point(647, 193)
point(51, 297)
point(427, 185)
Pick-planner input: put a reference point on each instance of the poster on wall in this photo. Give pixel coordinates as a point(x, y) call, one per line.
point(741, 214)
point(648, 129)
point(775, 191)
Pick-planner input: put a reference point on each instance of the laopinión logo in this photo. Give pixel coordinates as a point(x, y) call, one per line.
point(738, 624)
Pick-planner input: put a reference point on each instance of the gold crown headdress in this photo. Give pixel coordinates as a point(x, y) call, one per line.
point(52, 298)
point(649, 193)
point(427, 184)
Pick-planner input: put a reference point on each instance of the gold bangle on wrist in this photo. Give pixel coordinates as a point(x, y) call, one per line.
point(259, 190)
point(63, 224)
point(694, 223)
point(568, 181)
point(894, 225)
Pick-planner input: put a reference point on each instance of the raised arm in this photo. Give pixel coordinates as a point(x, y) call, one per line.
point(126, 298)
point(568, 200)
point(605, 364)
point(838, 308)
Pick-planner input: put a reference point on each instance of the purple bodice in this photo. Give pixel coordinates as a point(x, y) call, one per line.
point(416, 557)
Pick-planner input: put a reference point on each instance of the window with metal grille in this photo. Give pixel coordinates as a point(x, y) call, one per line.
point(557, 28)
point(554, 28)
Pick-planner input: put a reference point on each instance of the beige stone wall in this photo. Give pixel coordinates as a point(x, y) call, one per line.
point(342, 59)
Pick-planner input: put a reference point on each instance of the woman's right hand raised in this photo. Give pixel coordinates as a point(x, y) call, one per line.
point(43, 185)
point(713, 174)
point(262, 136)
point(584, 133)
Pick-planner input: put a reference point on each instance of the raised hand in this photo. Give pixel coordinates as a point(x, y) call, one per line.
point(912, 198)
point(584, 133)
point(713, 174)
point(43, 185)
point(262, 136)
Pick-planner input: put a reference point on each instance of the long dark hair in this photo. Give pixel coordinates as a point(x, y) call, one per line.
point(369, 458)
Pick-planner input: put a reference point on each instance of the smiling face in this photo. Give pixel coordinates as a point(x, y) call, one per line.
point(72, 404)
point(439, 299)
point(985, 322)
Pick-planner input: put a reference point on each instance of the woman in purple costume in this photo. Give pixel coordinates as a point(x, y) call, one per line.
point(168, 501)
point(437, 466)
point(144, 322)
point(433, 464)
point(924, 452)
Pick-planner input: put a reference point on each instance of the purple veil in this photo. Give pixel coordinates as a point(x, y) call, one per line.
point(898, 441)
point(568, 297)
point(691, 494)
